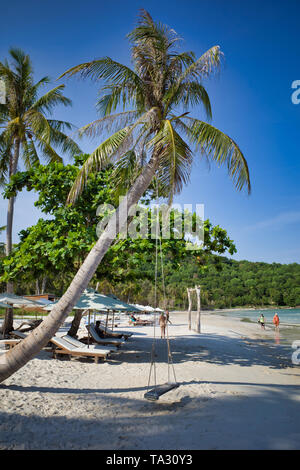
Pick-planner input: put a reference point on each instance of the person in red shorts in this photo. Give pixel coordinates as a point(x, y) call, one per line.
point(276, 321)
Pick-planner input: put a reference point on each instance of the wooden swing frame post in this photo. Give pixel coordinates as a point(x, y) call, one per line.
point(196, 289)
point(189, 309)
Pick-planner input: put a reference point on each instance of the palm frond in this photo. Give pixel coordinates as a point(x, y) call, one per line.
point(99, 159)
point(125, 171)
point(47, 151)
point(220, 148)
point(195, 72)
point(189, 95)
point(107, 123)
point(104, 69)
point(36, 122)
point(175, 159)
point(30, 155)
point(52, 98)
point(63, 142)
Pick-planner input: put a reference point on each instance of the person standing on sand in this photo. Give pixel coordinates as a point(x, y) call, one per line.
point(262, 321)
point(276, 321)
point(162, 324)
point(168, 317)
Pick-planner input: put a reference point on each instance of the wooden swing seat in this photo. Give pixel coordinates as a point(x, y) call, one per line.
point(155, 393)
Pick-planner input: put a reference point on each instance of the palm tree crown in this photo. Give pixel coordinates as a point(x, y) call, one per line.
point(145, 110)
point(24, 128)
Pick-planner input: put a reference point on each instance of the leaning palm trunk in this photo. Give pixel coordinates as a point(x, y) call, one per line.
point(16, 358)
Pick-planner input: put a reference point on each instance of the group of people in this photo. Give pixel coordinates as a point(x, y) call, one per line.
point(262, 321)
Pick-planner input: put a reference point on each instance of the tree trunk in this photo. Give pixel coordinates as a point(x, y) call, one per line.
point(44, 282)
point(9, 318)
point(75, 323)
point(190, 309)
point(18, 356)
point(198, 325)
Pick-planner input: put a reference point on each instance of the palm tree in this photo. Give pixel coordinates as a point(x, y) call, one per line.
point(2, 246)
point(152, 136)
point(25, 131)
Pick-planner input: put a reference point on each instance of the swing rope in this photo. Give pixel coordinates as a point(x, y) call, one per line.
point(169, 353)
point(170, 357)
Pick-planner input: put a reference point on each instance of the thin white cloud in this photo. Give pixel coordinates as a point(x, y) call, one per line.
point(278, 221)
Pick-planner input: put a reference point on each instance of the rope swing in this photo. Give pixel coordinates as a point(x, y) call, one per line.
point(157, 391)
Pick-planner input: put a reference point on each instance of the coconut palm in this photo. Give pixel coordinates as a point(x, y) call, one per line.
point(26, 130)
point(146, 109)
point(2, 246)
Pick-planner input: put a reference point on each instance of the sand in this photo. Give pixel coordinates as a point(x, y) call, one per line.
point(237, 391)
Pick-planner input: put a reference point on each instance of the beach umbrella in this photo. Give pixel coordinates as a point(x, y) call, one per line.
point(2, 305)
point(92, 300)
point(145, 308)
point(17, 301)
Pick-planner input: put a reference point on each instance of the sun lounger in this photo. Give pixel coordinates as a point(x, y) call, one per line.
point(140, 322)
point(99, 340)
point(18, 334)
point(125, 334)
point(78, 344)
point(9, 342)
point(62, 346)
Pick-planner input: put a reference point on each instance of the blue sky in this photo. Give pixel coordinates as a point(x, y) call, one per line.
point(251, 99)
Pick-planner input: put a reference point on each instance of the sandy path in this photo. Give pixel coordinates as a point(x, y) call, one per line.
point(236, 392)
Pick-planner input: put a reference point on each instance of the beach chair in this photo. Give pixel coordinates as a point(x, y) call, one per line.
point(115, 341)
point(62, 346)
point(18, 334)
point(116, 333)
point(140, 322)
point(79, 344)
point(9, 342)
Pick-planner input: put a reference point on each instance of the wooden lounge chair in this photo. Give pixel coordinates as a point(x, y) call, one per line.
point(116, 333)
point(9, 342)
point(62, 346)
point(139, 322)
point(18, 334)
point(115, 341)
point(79, 344)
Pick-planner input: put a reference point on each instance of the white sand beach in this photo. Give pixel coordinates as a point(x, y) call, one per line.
point(237, 391)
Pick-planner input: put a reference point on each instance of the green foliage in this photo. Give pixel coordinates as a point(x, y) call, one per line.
point(54, 248)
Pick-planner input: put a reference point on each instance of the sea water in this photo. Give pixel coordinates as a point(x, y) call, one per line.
point(290, 316)
point(289, 321)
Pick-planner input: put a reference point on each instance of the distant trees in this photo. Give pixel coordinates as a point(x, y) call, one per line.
point(242, 283)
